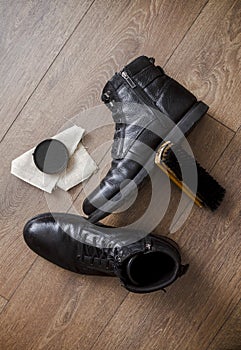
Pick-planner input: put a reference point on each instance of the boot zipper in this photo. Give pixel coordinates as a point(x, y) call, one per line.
point(138, 91)
point(128, 79)
point(141, 94)
point(152, 106)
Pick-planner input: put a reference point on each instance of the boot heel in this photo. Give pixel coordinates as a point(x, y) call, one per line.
point(192, 117)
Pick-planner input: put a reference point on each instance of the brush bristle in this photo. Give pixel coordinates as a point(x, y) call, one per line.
point(208, 190)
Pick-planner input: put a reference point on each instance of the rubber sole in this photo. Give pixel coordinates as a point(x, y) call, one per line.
point(186, 124)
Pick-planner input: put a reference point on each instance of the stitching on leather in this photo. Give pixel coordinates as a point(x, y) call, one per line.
point(140, 133)
point(166, 84)
point(112, 183)
point(143, 70)
point(148, 67)
point(163, 90)
point(152, 81)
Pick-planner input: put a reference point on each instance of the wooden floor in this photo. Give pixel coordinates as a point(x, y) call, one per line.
point(55, 59)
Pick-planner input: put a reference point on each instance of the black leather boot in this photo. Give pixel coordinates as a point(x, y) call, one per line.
point(146, 105)
point(72, 242)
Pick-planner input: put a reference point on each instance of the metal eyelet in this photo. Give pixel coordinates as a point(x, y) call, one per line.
point(106, 96)
point(118, 258)
point(148, 246)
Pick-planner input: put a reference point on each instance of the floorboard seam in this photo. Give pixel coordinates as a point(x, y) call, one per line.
point(6, 302)
point(51, 64)
point(185, 33)
point(2, 310)
point(224, 150)
point(28, 270)
point(223, 324)
point(4, 298)
point(93, 346)
point(15, 290)
point(239, 128)
point(216, 120)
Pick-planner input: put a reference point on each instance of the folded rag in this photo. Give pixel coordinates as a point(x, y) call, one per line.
point(80, 166)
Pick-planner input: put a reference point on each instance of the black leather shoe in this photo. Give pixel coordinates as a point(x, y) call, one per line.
point(72, 242)
point(146, 104)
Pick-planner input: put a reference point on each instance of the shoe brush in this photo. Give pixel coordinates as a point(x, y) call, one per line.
point(172, 158)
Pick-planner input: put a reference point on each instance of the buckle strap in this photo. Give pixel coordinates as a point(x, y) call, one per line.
point(183, 269)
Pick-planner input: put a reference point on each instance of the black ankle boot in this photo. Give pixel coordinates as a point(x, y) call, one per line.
point(72, 242)
point(146, 104)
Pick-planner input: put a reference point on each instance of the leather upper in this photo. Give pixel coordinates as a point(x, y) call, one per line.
point(145, 107)
point(72, 242)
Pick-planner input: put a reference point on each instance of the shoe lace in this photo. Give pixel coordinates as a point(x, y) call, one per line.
point(93, 255)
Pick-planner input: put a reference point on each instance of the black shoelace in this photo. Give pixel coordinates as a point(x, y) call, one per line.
point(95, 256)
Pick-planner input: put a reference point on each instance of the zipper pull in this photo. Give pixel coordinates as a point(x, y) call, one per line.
point(128, 79)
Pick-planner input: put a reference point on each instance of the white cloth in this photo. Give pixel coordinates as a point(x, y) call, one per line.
point(80, 166)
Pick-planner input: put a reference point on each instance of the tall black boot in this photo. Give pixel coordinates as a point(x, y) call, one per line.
point(146, 106)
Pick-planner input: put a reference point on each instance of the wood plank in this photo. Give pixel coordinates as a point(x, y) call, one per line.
point(195, 307)
point(74, 83)
point(3, 302)
point(32, 34)
point(208, 60)
point(228, 336)
point(57, 309)
point(208, 140)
